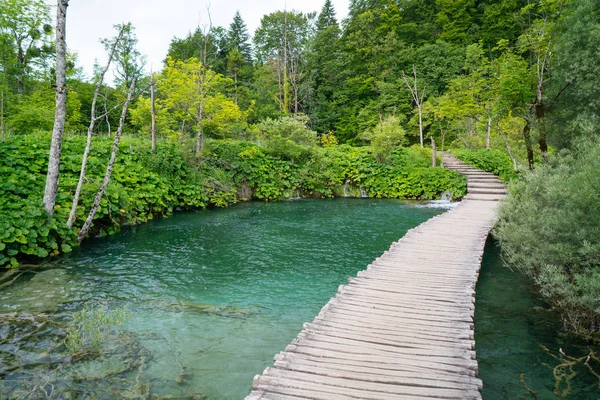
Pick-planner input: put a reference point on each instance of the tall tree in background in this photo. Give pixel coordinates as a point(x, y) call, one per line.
point(575, 82)
point(282, 39)
point(193, 45)
point(323, 70)
point(538, 39)
point(239, 57)
point(27, 23)
point(6, 56)
point(455, 19)
point(239, 38)
point(61, 108)
point(129, 63)
point(418, 91)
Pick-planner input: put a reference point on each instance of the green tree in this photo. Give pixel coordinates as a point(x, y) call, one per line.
point(193, 99)
point(27, 25)
point(129, 63)
point(239, 60)
point(575, 79)
point(538, 40)
point(386, 136)
point(283, 39)
point(288, 136)
point(455, 19)
point(323, 70)
point(239, 38)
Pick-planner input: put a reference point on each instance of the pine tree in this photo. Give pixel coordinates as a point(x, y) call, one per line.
point(238, 37)
point(326, 17)
point(323, 69)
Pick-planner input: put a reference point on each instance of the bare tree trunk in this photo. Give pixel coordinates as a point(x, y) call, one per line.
point(2, 112)
point(153, 111)
point(418, 95)
point(433, 153)
point(113, 156)
point(528, 144)
point(507, 147)
point(88, 144)
point(200, 134)
point(420, 124)
point(106, 111)
point(489, 129)
point(61, 109)
point(443, 133)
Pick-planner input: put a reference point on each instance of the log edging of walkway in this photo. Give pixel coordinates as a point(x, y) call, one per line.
point(403, 327)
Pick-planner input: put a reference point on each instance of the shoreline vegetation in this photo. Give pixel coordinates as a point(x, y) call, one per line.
point(147, 185)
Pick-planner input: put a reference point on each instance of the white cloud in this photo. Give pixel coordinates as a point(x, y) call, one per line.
point(158, 21)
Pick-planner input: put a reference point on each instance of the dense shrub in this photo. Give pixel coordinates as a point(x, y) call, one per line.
point(548, 229)
point(489, 160)
point(145, 185)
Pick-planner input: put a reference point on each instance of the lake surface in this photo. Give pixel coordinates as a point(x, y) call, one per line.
point(518, 337)
point(213, 296)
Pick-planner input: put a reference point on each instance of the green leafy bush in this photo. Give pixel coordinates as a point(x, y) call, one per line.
point(489, 160)
point(146, 185)
point(548, 229)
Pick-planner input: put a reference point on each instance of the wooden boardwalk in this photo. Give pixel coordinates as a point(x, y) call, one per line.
point(403, 328)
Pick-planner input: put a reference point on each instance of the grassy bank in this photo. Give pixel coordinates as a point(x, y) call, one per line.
point(146, 186)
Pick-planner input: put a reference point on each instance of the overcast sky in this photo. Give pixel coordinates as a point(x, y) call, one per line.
point(158, 21)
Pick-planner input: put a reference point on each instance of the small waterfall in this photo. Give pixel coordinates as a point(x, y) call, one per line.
point(298, 194)
point(346, 188)
point(363, 192)
point(446, 196)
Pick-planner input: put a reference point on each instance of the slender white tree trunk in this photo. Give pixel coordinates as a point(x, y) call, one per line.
point(113, 156)
point(508, 148)
point(418, 95)
point(489, 128)
point(61, 109)
point(2, 113)
point(153, 111)
point(88, 144)
point(419, 109)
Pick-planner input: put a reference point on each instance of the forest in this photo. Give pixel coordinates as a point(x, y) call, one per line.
point(309, 105)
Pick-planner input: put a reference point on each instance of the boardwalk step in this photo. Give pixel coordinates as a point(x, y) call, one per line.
point(486, 191)
point(485, 185)
point(484, 197)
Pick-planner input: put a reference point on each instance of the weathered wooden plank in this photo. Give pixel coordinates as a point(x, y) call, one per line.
point(403, 337)
point(404, 313)
point(378, 388)
point(442, 334)
point(406, 370)
point(374, 375)
point(374, 346)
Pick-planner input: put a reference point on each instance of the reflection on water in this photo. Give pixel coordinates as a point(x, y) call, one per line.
point(213, 296)
point(518, 340)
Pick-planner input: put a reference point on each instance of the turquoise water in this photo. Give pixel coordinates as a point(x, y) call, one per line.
point(512, 328)
point(213, 296)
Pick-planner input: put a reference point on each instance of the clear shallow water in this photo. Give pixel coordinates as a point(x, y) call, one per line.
point(512, 328)
point(214, 295)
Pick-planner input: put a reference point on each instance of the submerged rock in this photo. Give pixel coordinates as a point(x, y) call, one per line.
point(44, 292)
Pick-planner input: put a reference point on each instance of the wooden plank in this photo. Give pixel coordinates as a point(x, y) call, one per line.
point(375, 388)
point(405, 370)
point(375, 375)
point(373, 346)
